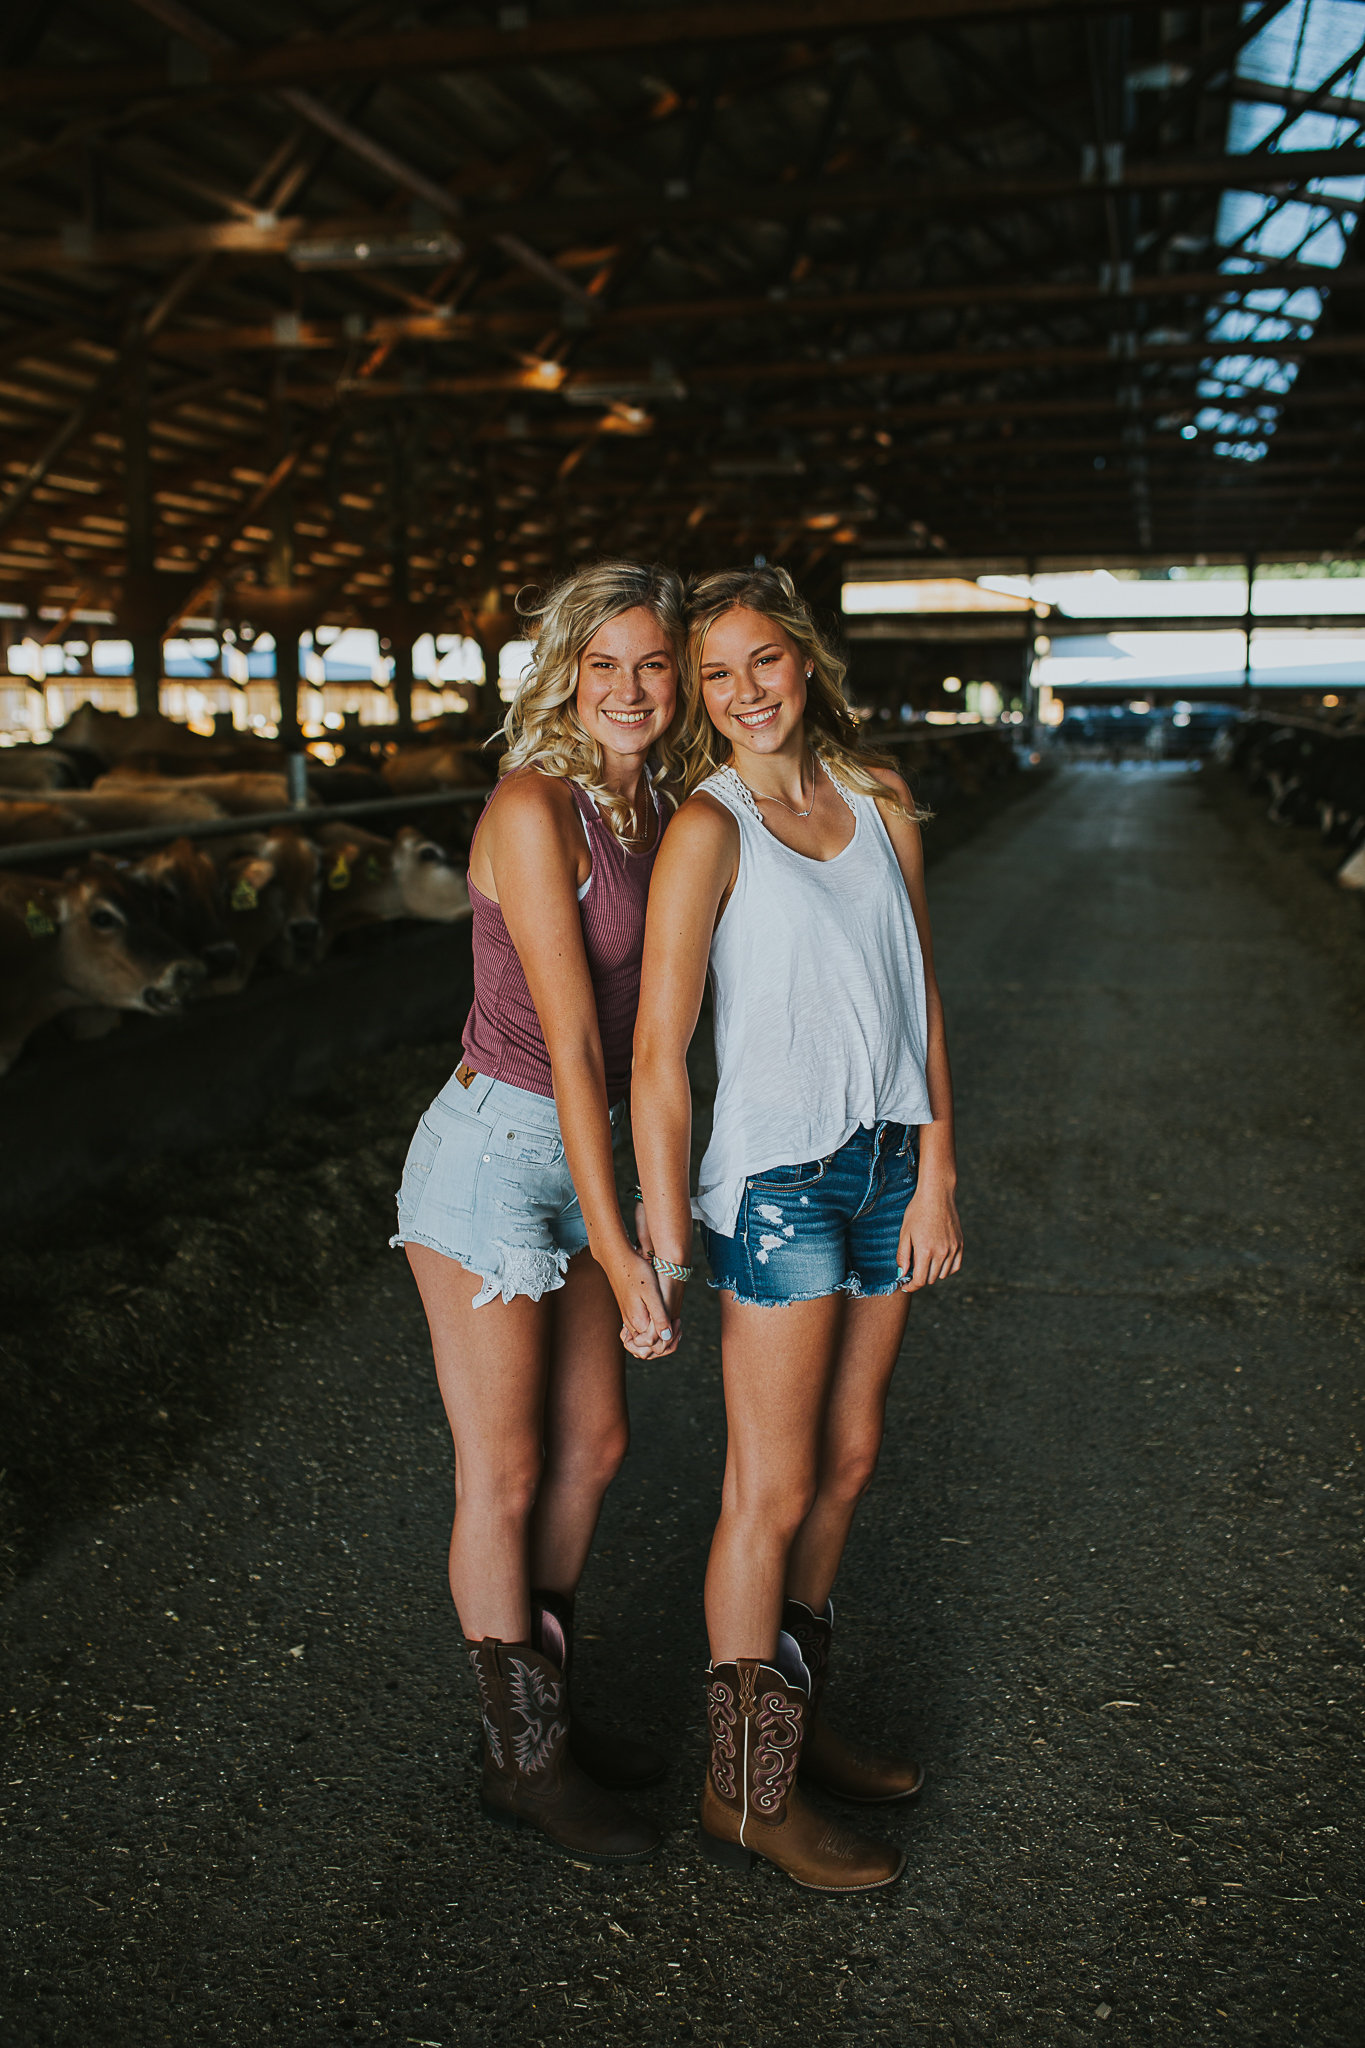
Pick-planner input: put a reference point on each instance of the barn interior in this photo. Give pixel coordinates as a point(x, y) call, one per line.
point(1028, 336)
point(316, 323)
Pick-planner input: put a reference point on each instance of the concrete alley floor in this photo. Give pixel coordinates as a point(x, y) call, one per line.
point(1106, 1583)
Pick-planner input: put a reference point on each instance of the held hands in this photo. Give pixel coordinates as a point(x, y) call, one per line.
point(648, 1327)
point(659, 1337)
point(930, 1246)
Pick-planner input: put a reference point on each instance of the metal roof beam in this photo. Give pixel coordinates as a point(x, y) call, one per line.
point(290, 62)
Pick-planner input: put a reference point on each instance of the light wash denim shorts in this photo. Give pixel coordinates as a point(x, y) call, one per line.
point(828, 1226)
point(486, 1183)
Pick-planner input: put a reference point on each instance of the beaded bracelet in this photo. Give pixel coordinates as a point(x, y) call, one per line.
point(667, 1267)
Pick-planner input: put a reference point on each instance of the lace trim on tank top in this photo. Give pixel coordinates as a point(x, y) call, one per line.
point(733, 780)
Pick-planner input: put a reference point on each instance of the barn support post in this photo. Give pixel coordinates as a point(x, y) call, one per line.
point(142, 622)
point(287, 624)
point(1248, 626)
point(287, 685)
point(1029, 694)
point(402, 671)
point(400, 587)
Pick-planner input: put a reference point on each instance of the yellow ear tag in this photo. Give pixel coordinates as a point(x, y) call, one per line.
point(40, 925)
point(340, 876)
point(373, 870)
point(243, 896)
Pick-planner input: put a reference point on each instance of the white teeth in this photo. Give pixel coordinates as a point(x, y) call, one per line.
point(756, 718)
point(628, 717)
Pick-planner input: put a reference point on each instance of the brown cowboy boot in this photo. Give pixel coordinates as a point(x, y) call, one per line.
point(619, 1762)
point(846, 1769)
point(750, 1805)
point(529, 1777)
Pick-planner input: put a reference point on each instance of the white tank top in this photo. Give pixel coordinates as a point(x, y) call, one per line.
point(818, 982)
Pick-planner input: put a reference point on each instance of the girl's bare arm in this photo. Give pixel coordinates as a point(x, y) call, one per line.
point(695, 871)
point(535, 857)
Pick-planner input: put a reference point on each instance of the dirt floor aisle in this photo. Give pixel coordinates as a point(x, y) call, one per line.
point(1101, 1581)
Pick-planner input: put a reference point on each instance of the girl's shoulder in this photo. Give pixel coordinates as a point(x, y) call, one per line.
point(700, 829)
point(711, 806)
point(892, 781)
point(529, 803)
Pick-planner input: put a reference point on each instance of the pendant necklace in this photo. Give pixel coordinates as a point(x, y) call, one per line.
point(814, 784)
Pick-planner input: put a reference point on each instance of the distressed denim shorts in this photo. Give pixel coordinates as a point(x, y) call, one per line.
point(486, 1183)
point(830, 1226)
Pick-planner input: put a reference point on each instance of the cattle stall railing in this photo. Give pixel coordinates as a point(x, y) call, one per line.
point(228, 828)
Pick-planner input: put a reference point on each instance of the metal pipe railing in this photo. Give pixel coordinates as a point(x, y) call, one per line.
point(216, 828)
point(259, 821)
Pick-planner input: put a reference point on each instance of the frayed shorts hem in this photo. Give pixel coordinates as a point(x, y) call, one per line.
point(852, 1287)
point(542, 1271)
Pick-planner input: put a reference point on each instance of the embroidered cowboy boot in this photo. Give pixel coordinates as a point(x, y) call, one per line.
point(750, 1805)
point(529, 1777)
point(619, 1762)
point(863, 1776)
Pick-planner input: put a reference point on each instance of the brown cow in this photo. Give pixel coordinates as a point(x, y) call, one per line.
point(189, 905)
point(450, 764)
point(366, 880)
point(110, 735)
point(24, 824)
point(236, 795)
point(38, 767)
point(326, 785)
point(271, 894)
point(120, 808)
point(91, 941)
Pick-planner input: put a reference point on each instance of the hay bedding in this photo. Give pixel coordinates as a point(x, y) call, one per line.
point(117, 1317)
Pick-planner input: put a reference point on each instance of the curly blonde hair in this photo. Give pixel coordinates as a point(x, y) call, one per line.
point(831, 726)
point(542, 726)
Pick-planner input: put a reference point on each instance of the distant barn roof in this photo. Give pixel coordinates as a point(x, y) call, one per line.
point(529, 284)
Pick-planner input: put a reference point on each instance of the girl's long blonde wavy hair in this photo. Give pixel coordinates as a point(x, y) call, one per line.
point(832, 728)
point(542, 726)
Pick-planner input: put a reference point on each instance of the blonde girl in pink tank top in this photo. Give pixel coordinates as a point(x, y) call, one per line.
point(508, 1209)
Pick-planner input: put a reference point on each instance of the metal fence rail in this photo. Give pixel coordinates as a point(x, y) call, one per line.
point(219, 828)
point(259, 821)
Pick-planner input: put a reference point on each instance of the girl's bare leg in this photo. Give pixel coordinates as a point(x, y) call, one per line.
point(778, 1364)
point(586, 1426)
point(854, 1419)
point(491, 1365)
point(534, 1393)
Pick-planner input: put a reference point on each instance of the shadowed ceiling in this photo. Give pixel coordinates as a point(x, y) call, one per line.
point(410, 306)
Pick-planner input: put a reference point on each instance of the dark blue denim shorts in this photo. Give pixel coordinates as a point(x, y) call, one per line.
point(830, 1226)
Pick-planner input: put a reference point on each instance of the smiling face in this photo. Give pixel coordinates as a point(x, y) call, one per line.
point(627, 686)
point(753, 683)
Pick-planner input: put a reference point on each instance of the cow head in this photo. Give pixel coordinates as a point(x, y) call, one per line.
point(115, 948)
point(429, 882)
point(297, 865)
point(190, 905)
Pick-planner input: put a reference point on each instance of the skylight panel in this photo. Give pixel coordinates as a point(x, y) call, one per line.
point(1310, 44)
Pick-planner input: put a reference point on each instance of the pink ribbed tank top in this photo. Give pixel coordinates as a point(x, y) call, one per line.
point(502, 1034)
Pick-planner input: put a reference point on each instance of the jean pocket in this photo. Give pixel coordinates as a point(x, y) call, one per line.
point(453, 1148)
point(422, 1154)
point(525, 1148)
point(786, 1180)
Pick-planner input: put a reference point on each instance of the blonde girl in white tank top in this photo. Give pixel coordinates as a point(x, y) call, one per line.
point(793, 874)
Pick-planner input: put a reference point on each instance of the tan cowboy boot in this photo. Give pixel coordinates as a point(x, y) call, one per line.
point(619, 1762)
point(846, 1769)
point(750, 1805)
point(529, 1777)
